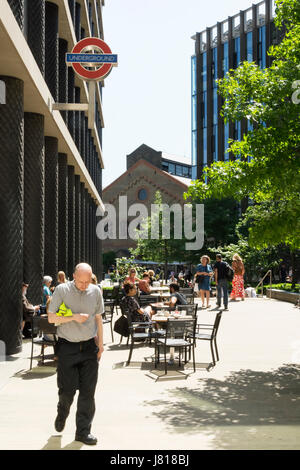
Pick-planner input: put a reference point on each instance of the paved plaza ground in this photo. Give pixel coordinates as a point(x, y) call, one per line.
point(250, 400)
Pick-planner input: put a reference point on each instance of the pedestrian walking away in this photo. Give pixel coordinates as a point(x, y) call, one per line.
point(79, 349)
point(203, 276)
point(221, 273)
point(238, 278)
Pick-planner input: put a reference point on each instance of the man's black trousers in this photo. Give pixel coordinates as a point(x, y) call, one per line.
point(77, 370)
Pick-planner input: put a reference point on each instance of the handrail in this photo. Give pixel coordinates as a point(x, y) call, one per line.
point(262, 280)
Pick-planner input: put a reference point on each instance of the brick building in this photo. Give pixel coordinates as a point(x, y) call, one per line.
point(147, 171)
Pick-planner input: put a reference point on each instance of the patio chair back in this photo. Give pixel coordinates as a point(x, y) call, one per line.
point(189, 309)
point(180, 328)
point(144, 300)
point(186, 290)
point(216, 324)
point(189, 298)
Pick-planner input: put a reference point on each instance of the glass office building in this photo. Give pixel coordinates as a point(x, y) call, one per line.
point(245, 36)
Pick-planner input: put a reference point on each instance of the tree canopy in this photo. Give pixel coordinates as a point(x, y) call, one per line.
point(267, 165)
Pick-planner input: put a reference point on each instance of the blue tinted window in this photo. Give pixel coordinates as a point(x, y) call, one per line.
point(215, 143)
point(194, 75)
point(237, 130)
point(215, 106)
point(204, 147)
point(194, 112)
point(178, 170)
point(215, 67)
point(142, 194)
point(194, 147)
point(249, 47)
point(249, 126)
point(237, 52)
point(204, 71)
point(194, 172)
point(194, 108)
point(226, 145)
point(172, 168)
point(226, 59)
point(262, 48)
point(185, 171)
point(204, 109)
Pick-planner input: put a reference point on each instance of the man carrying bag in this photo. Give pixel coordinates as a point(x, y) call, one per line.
point(80, 346)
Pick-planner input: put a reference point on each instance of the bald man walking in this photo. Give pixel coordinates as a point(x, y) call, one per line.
point(80, 345)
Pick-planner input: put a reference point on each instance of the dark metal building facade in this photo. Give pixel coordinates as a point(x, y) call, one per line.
point(51, 163)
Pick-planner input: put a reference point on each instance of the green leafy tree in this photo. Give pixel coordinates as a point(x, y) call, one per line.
point(162, 250)
point(267, 164)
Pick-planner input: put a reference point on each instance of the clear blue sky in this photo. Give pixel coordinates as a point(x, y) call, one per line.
point(147, 98)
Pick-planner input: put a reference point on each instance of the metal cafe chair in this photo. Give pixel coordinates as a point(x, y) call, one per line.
point(210, 335)
point(186, 290)
point(179, 334)
point(42, 327)
point(107, 315)
point(145, 300)
point(138, 331)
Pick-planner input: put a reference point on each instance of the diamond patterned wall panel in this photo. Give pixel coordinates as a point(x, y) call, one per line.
point(77, 219)
point(63, 75)
point(51, 207)
point(77, 121)
point(77, 20)
point(11, 214)
point(71, 99)
point(17, 7)
point(36, 31)
point(82, 139)
point(83, 222)
point(87, 227)
point(71, 221)
point(34, 205)
point(72, 10)
point(51, 49)
point(62, 212)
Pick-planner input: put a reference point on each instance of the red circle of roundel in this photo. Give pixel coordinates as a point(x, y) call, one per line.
point(91, 74)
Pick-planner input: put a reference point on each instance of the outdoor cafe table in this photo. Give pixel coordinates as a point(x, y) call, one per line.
point(162, 319)
point(161, 294)
point(159, 289)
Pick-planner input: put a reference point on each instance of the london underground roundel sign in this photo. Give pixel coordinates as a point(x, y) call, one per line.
point(91, 59)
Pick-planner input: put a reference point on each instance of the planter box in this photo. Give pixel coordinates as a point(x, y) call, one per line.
point(283, 295)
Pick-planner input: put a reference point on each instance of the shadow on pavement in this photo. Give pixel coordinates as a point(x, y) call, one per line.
point(54, 443)
point(245, 398)
point(39, 372)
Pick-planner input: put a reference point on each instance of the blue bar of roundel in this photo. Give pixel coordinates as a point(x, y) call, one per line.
point(92, 58)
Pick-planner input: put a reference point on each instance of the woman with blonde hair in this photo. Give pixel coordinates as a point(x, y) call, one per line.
point(61, 278)
point(238, 278)
point(203, 276)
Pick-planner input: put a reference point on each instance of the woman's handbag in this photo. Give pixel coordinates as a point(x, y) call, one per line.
point(121, 326)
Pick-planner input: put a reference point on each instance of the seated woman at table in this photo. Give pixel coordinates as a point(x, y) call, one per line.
point(131, 305)
point(132, 277)
point(144, 284)
point(151, 277)
point(176, 297)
